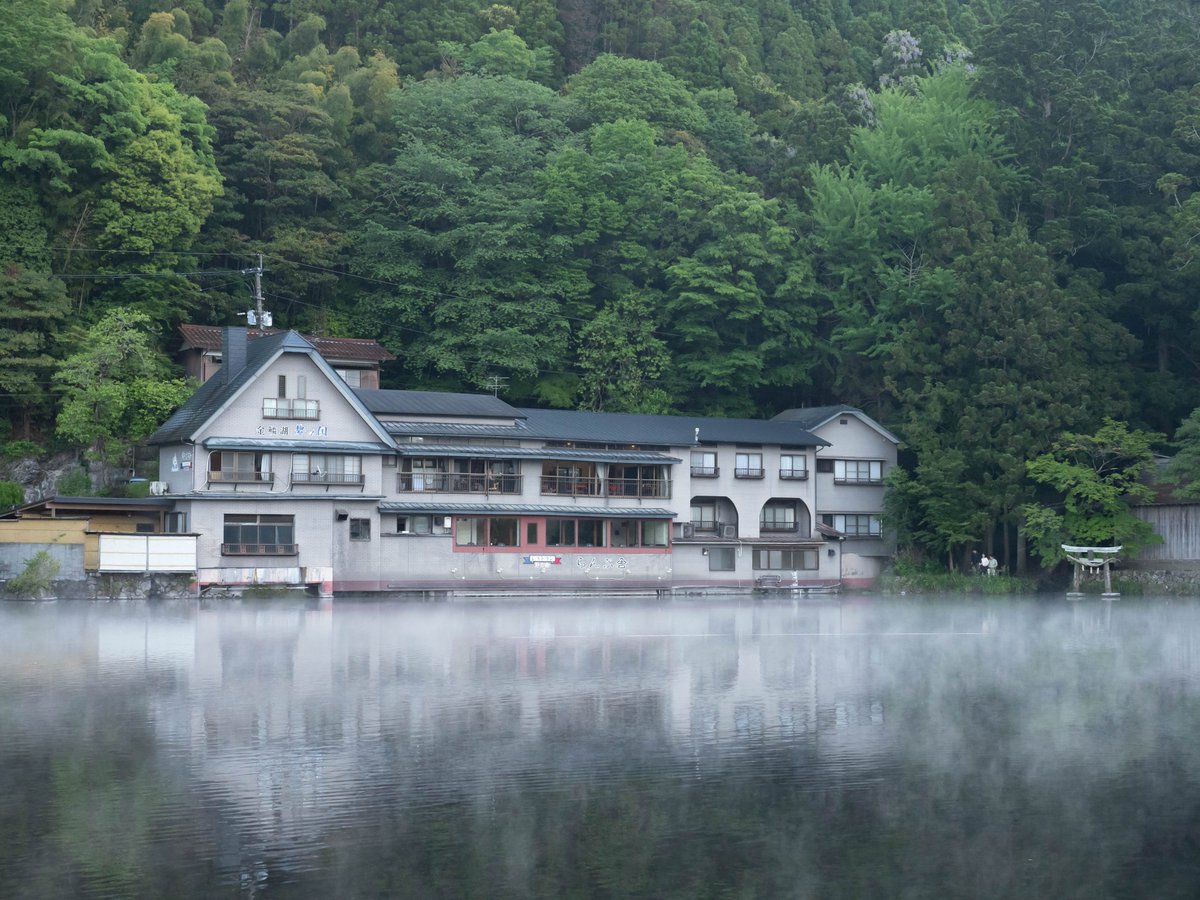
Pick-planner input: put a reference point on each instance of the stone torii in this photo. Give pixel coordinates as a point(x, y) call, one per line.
point(1092, 559)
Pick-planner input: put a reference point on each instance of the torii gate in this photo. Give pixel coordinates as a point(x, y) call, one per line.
point(1092, 559)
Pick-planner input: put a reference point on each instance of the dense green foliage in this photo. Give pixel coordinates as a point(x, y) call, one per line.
point(977, 221)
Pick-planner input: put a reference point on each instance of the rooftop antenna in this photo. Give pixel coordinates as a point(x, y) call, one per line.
point(495, 383)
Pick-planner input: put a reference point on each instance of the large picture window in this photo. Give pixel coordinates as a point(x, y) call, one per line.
point(259, 535)
point(239, 466)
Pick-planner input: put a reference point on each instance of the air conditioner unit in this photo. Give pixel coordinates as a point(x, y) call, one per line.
point(158, 488)
point(689, 530)
point(729, 532)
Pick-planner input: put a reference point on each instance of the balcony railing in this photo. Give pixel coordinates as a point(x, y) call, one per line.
point(706, 471)
point(240, 476)
point(327, 478)
point(260, 549)
point(877, 482)
point(579, 486)
point(279, 408)
point(794, 474)
point(457, 483)
point(748, 472)
point(639, 487)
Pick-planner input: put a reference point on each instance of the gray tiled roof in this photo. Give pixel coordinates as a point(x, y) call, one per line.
point(435, 403)
point(480, 451)
point(514, 432)
point(526, 509)
point(667, 431)
point(215, 392)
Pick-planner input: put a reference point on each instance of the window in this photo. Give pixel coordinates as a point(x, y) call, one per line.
point(280, 408)
point(704, 515)
point(793, 465)
point(144, 528)
point(637, 481)
point(858, 471)
point(704, 464)
point(591, 533)
point(282, 387)
point(324, 468)
point(502, 532)
point(624, 533)
point(239, 466)
point(572, 480)
point(481, 476)
point(352, 377)
point(560, 532)
point(654, 533)
point(177, 523)
point(253, 535)
point(778, 515)
point(420, 475)
point(858, 525)
point(531, 533)
point(825, 466)
point(786, 559)
point(360, 529)
point(469, 532)
point(748, 465)
point(722, 559)
point(421, 524)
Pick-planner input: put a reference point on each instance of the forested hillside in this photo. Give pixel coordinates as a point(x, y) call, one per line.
point(975, 220)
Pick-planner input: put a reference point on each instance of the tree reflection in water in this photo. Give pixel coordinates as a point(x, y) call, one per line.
point(843, 748)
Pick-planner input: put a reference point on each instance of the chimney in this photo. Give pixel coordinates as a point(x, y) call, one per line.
point(233, 352)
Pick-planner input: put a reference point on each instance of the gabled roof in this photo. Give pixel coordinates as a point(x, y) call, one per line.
point(219, 391)
point(813, 417)
point(436, 403)
point(208, 337)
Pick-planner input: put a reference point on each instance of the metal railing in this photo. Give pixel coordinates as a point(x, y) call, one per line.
point(243, 476)
point(706, 471)
point(639, 487)
point(280, 408)
point(579, 486)
point(748, 473)
point(794, 474)
point(457, 483)
point(327, 478)
point(260, 549)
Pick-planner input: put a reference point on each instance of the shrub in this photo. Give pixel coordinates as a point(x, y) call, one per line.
point(11, 494)
point(20, 450)
point(37, 577)
point(74, 484)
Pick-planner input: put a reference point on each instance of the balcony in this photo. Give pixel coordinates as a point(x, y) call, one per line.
point(327, 478)
point(260, 549)
point(578, 486)
point(241, 476)
point(748, 472)
point(706, 471)
point(279, 408)
point(793, 474)
point(639, 488)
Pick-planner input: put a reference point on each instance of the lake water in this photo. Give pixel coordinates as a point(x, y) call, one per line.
point(840, 748)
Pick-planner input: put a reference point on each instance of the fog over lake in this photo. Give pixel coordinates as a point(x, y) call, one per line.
point(832, 747)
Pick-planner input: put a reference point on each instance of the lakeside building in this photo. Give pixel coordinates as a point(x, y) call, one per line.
point(284, 474)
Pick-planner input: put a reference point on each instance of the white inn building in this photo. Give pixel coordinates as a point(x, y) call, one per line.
point(285, 474)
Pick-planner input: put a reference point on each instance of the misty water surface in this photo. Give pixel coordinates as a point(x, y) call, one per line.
point(823, 748)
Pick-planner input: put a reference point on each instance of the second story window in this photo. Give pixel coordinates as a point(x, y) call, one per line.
point(327, 468)
point(793, 466)
point(748, 465)
point(239, 466)
point(858, 471)
point(280, 408)
point(704, 464)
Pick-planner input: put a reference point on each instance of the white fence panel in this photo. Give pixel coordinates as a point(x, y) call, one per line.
point(147, 553)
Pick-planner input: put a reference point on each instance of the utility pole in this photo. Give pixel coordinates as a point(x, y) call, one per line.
point(259, 317)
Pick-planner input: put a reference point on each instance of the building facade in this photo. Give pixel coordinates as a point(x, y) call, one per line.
point(286, 474)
